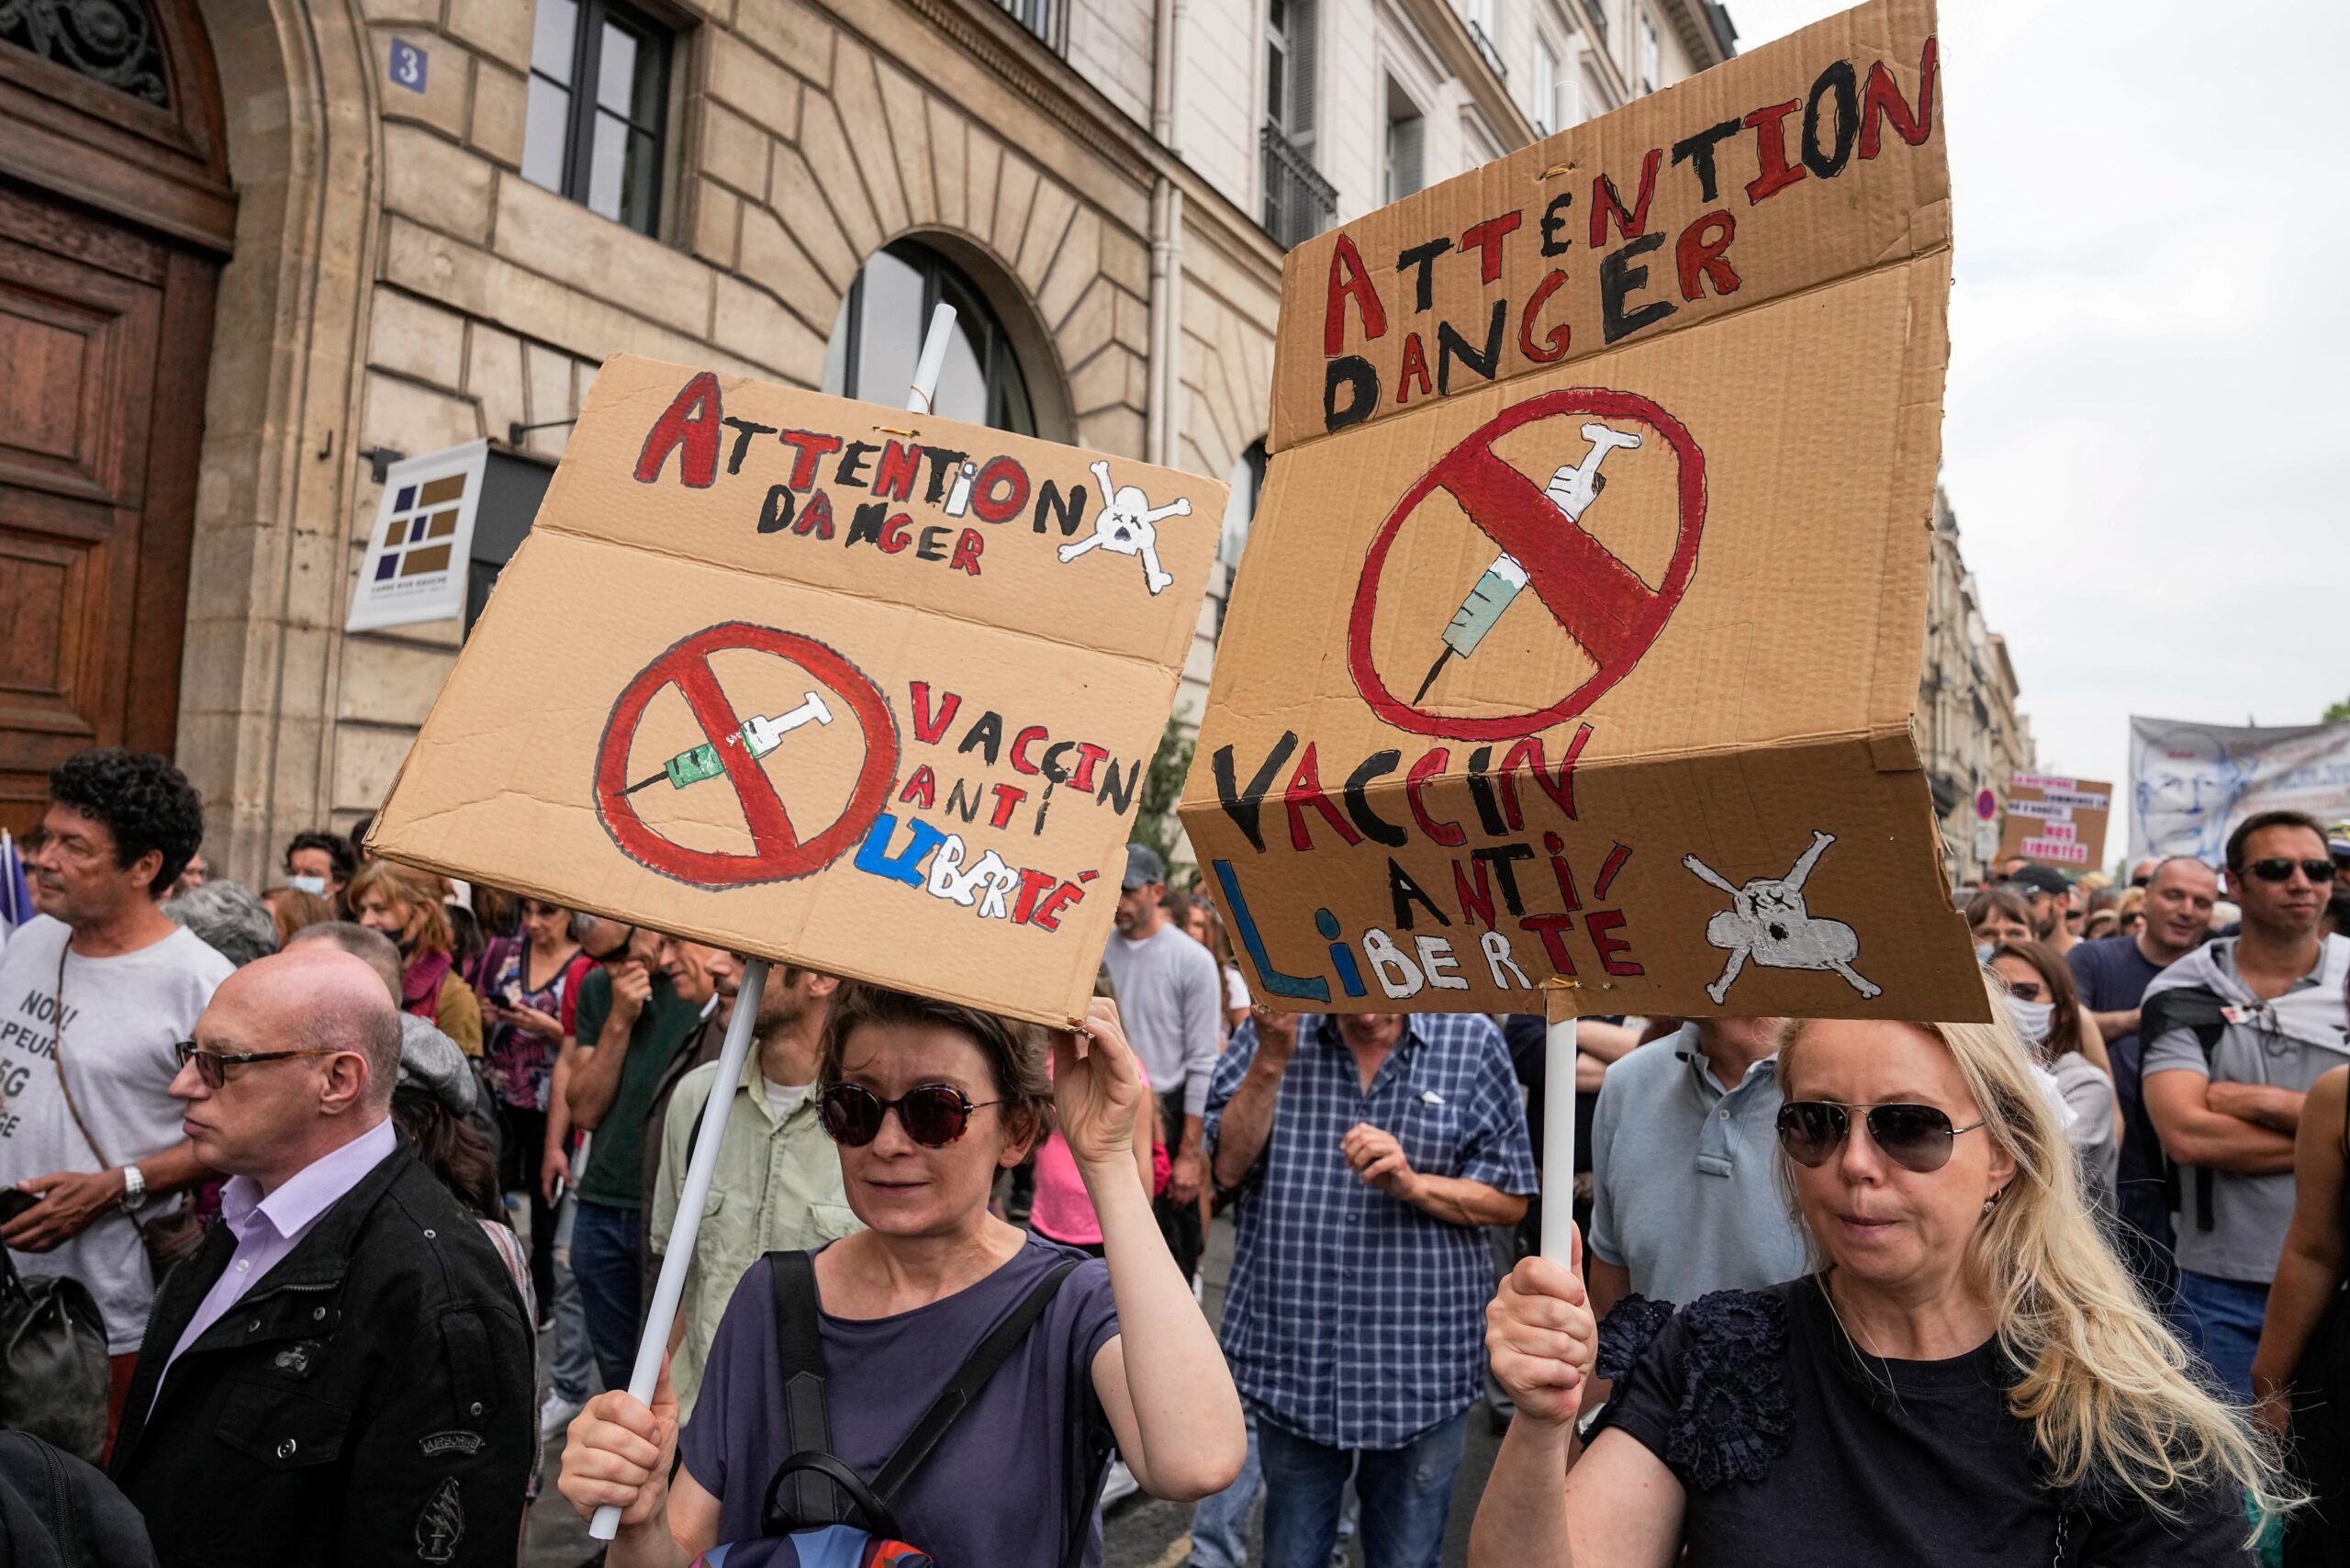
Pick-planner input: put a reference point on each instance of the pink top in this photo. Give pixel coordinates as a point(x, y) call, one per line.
point(1062, 1211)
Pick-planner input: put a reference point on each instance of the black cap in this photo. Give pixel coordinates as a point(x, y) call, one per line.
point(2039, 878)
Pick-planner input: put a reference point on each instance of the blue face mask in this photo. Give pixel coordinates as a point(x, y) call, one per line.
point(315, 886)
point(1983, 951)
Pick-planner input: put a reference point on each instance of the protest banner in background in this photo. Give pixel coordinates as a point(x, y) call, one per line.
point(2059, 821)
point(418, 552)
point(2192, 783)
point(1579, 629)
point(807, 679)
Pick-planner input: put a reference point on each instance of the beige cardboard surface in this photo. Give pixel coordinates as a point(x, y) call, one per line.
point(1603, 670)
point(972, 678)
point(2061, 821)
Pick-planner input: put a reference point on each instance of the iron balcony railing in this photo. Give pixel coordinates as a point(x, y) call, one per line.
point(1049, 19)
point(1299, 203)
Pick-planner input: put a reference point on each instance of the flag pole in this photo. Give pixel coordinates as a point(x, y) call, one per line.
point(654, 1347)
point(1558, 1140)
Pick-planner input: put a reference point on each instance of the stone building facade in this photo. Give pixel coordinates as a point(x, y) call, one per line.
point(1973, 735)
point(251, 249)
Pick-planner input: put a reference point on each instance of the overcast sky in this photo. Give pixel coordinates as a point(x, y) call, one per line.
point(2147, 354)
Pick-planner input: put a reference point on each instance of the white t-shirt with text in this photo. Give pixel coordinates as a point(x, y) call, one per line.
point(121, 1016)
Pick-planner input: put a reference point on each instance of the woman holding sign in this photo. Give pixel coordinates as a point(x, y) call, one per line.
point(1059, 1354)
point(1970, 1377)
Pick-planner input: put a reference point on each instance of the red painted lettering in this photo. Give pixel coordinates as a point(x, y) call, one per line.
point(1607, 205)
point(1699, 255)
point(691, 421)
point(1304, 791)
point(1771, 152)
point(807, 446)
point(967, 552)
point(1557, 337)
point(1485, 239)
point(1882, 97)
point(1349, 280)
point(1599, 923)
point(1446, 832)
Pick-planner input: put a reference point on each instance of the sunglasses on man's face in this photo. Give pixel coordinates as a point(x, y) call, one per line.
point(213, 1066)
point(933, 1114)
point(1916, 1138)
point(2278, 869)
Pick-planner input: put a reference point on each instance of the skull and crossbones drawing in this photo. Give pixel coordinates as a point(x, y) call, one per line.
point(1767, 921)
point(1125, 526)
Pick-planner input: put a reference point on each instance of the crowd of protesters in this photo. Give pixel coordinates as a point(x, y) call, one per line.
point(309, 1192)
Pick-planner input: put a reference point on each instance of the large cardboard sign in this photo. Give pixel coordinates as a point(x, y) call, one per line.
point(2059, 821)
point(2192, 783)
point(1579, 630)
point(419, 549)
point(867, 691)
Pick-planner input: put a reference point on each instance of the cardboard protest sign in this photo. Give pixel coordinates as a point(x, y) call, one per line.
point(1579, 630)
point(2060, 820)
point(421, 545)
point(867, 691)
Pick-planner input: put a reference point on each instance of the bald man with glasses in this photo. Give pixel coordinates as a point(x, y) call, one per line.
point(341, 1374)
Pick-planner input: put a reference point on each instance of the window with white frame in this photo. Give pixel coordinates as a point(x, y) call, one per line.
point(1406, 152)
point(1541, 88)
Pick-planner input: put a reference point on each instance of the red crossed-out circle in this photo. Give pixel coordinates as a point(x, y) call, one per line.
point(1600, 602)
point(780, 852)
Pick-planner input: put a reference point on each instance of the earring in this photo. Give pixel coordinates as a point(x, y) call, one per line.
point(1990, 1202)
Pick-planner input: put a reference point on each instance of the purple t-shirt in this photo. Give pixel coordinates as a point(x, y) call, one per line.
point(995, 1490)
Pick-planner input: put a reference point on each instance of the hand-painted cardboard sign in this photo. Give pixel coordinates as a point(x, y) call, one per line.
point(1578, 636)
point(2060, 820)
point(867, 691)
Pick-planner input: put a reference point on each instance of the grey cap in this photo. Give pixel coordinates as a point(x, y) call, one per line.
point(1143, 867)
point(431, 1061)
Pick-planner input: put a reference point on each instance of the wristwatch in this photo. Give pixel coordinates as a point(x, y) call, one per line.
point(134, 1187)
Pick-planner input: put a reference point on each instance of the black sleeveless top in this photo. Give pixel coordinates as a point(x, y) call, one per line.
point(1794, 1450)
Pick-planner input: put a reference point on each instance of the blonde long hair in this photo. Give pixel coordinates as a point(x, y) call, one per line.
point(2106, 1386)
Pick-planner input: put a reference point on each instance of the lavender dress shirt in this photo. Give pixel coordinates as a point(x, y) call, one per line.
point(267, 1228)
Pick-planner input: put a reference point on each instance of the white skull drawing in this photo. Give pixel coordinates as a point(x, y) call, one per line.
point(1127, 526)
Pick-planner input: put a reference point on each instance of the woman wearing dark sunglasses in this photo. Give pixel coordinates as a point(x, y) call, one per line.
point(1969, 1377)
point(928, 1103)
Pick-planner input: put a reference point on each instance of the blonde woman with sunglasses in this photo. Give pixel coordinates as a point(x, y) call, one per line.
point(1968, 1376)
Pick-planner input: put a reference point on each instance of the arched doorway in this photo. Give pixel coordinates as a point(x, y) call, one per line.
point(115, 213)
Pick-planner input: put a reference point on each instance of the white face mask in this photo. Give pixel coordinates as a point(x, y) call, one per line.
point(2031, 1019)
point(1983, 951)
point(313, 885)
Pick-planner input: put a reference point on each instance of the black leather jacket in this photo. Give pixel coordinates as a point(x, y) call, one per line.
point(368, 1402)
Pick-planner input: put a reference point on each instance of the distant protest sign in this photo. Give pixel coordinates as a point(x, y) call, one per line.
point(867, 691)
point(1578, 636)
point(2192, 783)
point(2060, 822)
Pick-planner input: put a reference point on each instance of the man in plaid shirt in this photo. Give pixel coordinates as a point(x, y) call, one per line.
point(1372, 1148)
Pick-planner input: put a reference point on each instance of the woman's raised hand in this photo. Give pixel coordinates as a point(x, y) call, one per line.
point(1097, 1092)
point(1541, 1337)
point(618, 1451)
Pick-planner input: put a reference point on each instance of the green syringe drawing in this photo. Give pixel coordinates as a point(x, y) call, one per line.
point(757, 737)
point(1572, 489)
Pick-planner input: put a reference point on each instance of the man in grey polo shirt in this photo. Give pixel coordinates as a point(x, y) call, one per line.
point(2234, 1034)
point(1686, 1197)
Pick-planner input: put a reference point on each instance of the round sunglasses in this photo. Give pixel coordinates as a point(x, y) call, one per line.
point(933, 1114)
point(1916, 1138)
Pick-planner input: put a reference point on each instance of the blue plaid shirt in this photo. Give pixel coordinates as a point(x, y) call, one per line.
point(1355, 1319)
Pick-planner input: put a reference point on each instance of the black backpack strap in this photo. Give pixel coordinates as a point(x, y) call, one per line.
point(984, 1364)
point(1089, 1459)
point(794, 1275)
point(816, 1467)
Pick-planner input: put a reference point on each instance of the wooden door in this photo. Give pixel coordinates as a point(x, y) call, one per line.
point(114, 213)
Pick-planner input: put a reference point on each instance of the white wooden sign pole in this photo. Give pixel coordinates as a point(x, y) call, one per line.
point(1559, 1141)
point(671, 1287)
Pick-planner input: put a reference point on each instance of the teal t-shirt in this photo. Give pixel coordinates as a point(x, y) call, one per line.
point(615, 1160)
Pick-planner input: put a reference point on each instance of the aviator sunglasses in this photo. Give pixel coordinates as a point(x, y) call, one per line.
point(2278, 869)
point(933, 1114)
point(1916, 1138)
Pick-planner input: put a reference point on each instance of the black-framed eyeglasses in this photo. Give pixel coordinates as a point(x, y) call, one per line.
point(213, 1066)
point(933, 1114)
point(1916, 1138)
point(2278, 868)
